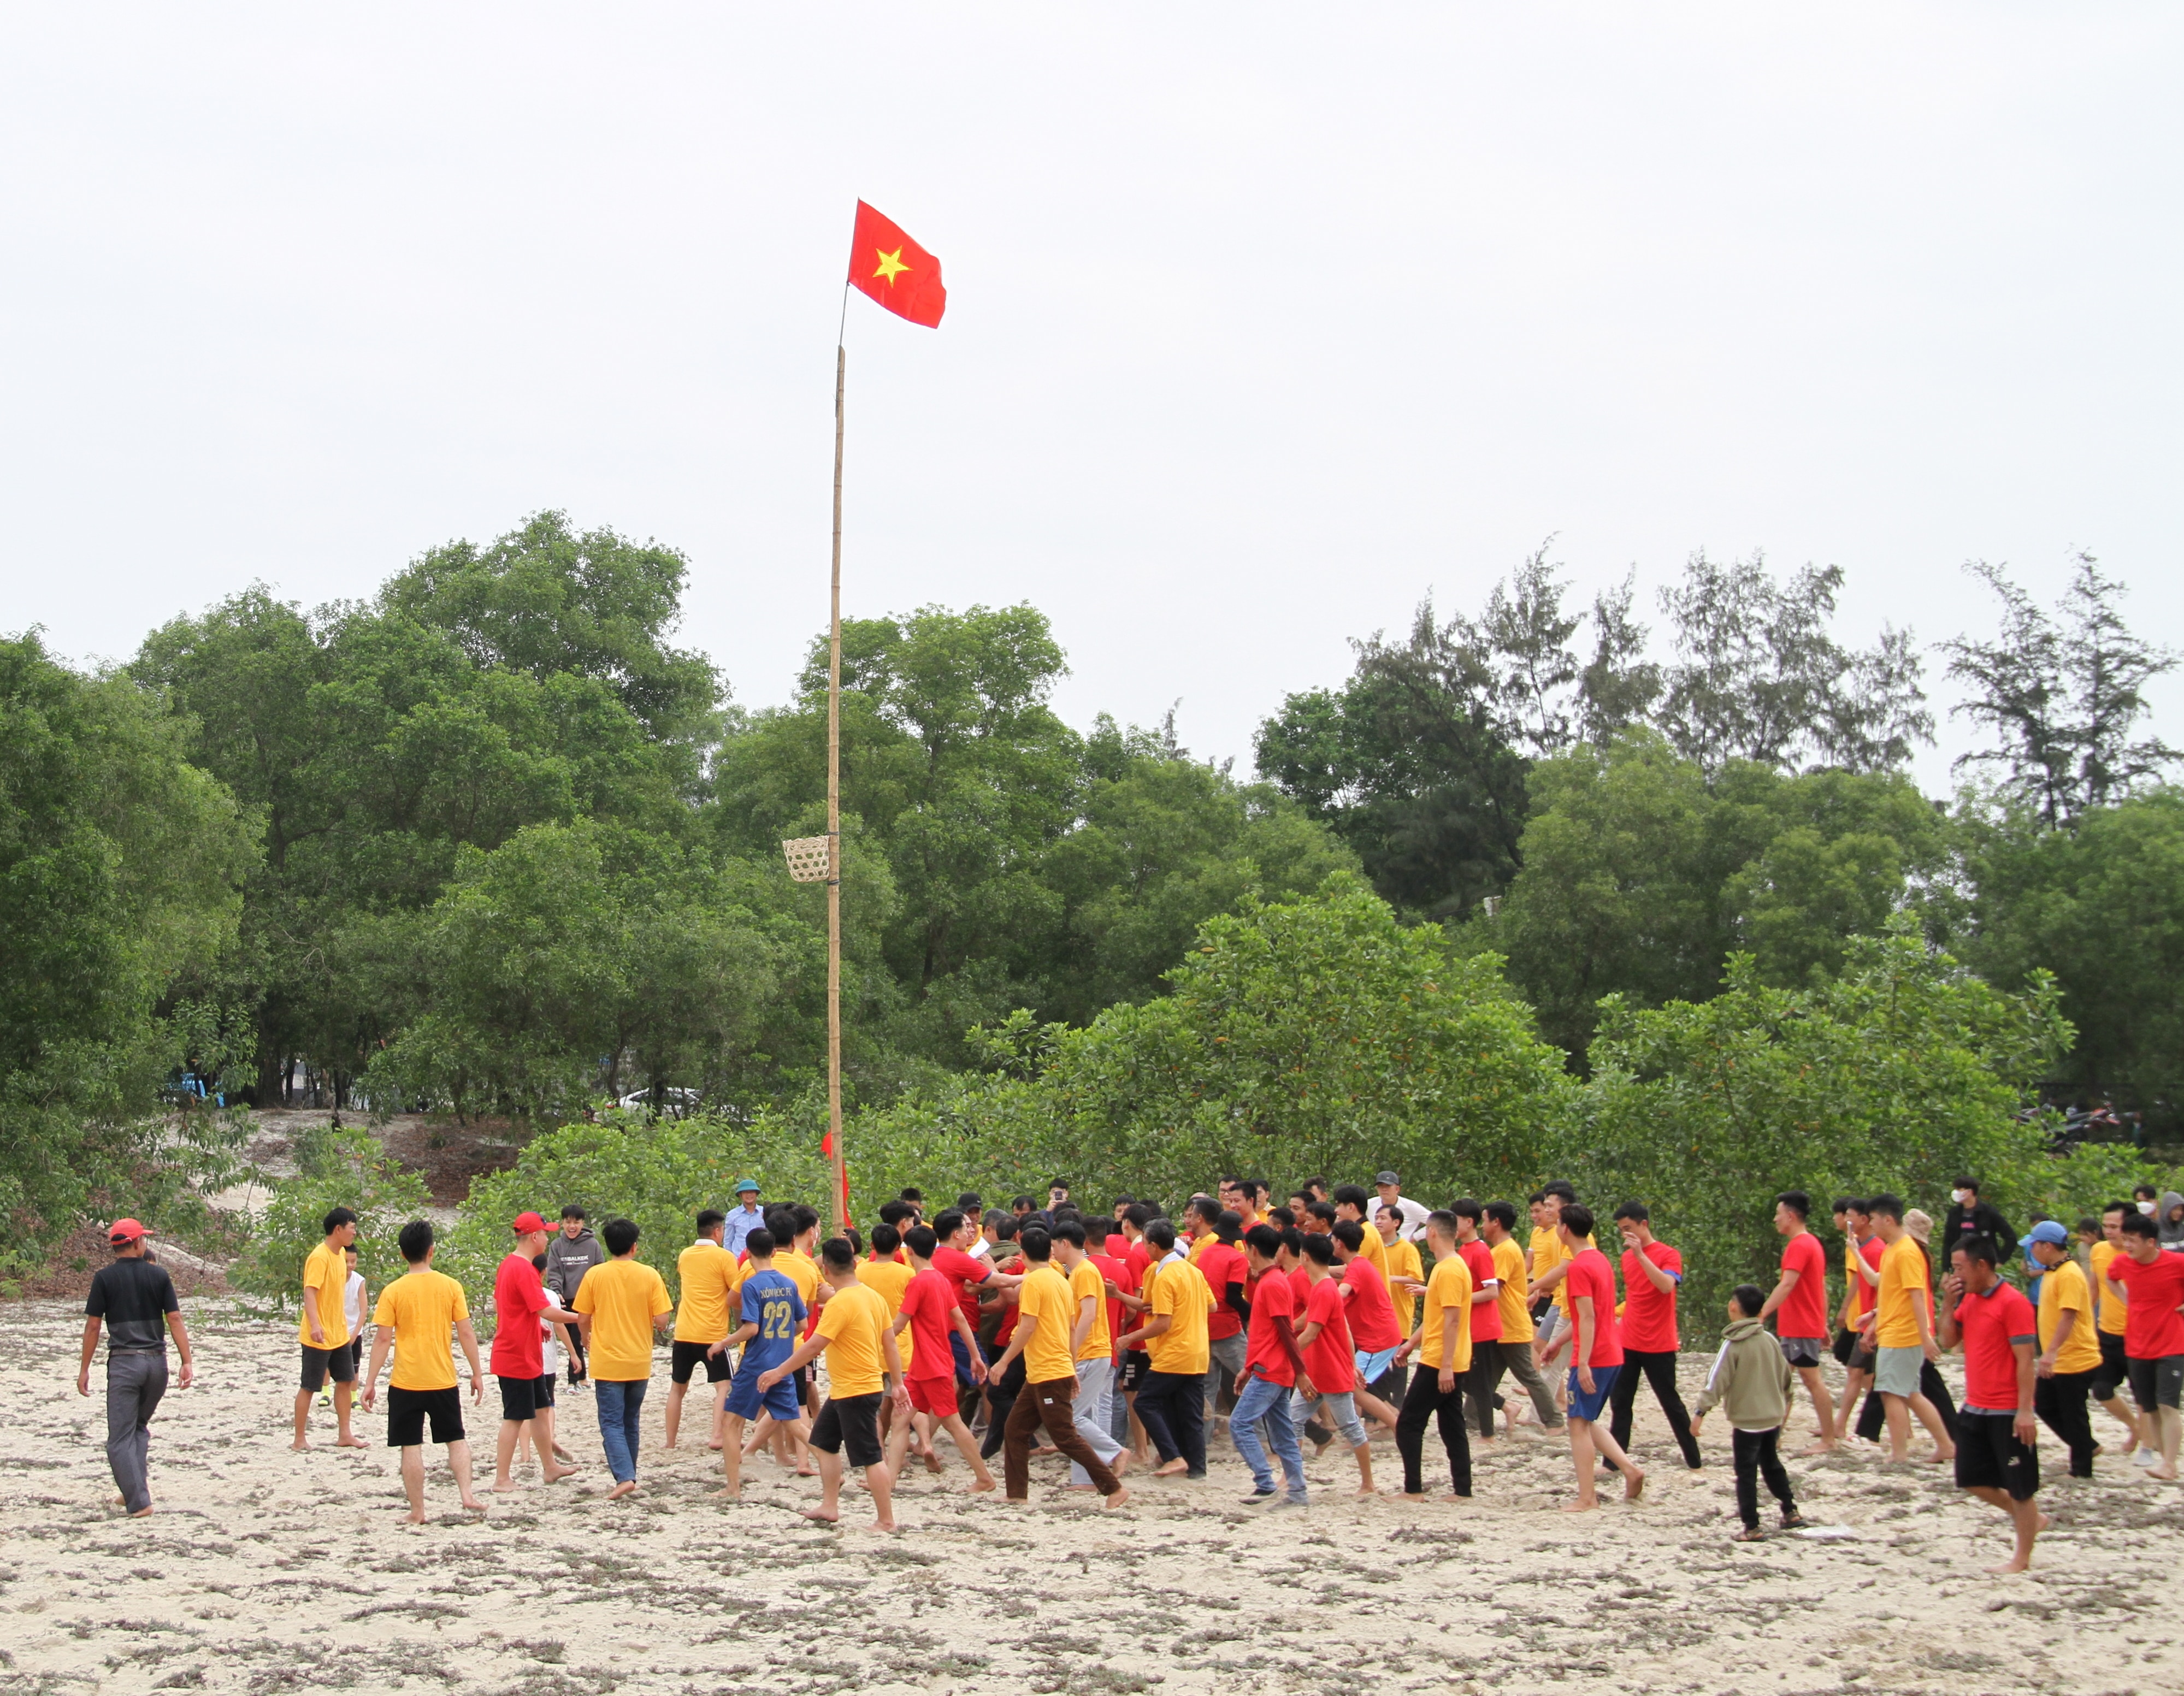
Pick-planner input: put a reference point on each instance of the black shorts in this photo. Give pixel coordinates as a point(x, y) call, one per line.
point(1134, 1368)
point(850, 1425)
point(1989, 1456)
point(806, 1391)
point(1863, 1359)
point(520, 1399)
point(407, 1411)
point(1845, 1346)
point(2113, 1370)
point(337, 1363)
point(2157, 1383)
point(688, 1355)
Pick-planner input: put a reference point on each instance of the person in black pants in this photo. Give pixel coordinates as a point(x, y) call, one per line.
point(1651, 1270)
point(1442, 1343)
point(2066, 1335)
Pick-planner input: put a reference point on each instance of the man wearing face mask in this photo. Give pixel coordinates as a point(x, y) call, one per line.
point(1970, 1217)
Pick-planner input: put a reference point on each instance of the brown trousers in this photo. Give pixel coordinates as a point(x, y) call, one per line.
point(1049, 1404)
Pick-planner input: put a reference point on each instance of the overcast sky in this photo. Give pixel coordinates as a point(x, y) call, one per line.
point(1264, 320)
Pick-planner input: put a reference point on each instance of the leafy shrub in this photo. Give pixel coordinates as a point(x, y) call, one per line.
point(347, 1168)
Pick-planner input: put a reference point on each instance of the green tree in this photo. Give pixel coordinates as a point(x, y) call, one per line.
point(120, 869)
point(1641, 877)
point(1899, 1073)
point(1316, 1034)
point(2101, 906)
point(2064, 694)
point(345, 1168)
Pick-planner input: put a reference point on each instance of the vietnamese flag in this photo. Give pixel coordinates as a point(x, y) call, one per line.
point(893, 270)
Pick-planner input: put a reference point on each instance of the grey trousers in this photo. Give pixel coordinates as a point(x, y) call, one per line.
point(135, 1381)
point(1489, 1360)
point(1094, 1408)
point(1224, 1362)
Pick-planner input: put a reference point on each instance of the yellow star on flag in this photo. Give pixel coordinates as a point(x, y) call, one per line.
point(891, 266)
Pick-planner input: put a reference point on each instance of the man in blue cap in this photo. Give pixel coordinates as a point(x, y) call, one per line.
point(748, 1216)
point(2069, 1347)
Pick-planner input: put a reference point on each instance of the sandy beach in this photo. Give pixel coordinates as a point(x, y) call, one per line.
point(264, 1571)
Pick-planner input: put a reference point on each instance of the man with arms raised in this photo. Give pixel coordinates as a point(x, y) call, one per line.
point(415, 1313)
point(134, 1300)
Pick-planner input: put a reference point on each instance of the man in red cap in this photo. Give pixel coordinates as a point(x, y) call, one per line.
point(522, 1309)
point(133, 1298)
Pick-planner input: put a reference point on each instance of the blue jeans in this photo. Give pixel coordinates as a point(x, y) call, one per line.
point(1261, 1399)
point(621, 1400)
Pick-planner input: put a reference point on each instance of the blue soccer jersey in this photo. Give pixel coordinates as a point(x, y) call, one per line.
point(771, 1303)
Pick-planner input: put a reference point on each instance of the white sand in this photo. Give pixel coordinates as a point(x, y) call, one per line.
point(266, 1572)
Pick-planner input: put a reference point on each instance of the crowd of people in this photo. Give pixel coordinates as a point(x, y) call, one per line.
point(1122, 1340)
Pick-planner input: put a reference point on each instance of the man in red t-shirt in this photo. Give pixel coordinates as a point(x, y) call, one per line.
point(1995, 1459)
point(2149, 1279)
point(1799, 1304)
point(1480, 1400)
point(956, 1231)
point(1651, 1270)
point(1220, 1262)
point(1271, 1367)
point(1596, 1350)
point(521, 1307)
point(1374, 1330)
point(1330, 1357)
point(933, 1313)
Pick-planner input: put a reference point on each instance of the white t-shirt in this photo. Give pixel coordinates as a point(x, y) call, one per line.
point(353, 1302)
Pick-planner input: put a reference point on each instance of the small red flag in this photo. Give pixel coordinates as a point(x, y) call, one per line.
point(893, 270)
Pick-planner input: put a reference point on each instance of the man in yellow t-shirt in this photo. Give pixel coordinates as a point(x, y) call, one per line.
point(2110, 1313)
point(323, 1332)
point(864, 1368)
point(1094, 1409)
point(1900, 1331)
point(414, 1314)
point(1171, 1402)
point(1512, 1353)
point(709, 1276)
point(1355, 1201)
point(2069, 1353)
point(1046, 1336)
point(1442, 1343)
point(620, 1304)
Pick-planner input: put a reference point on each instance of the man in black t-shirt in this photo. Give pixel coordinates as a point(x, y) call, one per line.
point(135, 1300)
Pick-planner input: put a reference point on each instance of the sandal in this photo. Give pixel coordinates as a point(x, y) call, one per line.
point(1795, 1522)
point(1754, 1535)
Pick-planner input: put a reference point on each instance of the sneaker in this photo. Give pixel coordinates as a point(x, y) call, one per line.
point(2146, 1457)
point(1259, 1498)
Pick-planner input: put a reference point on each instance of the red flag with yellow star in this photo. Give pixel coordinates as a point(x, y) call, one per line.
point(893, 270)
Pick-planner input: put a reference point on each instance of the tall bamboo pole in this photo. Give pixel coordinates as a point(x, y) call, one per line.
point(834, 827)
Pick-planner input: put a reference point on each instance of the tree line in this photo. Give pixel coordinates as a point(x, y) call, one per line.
point(490, 842)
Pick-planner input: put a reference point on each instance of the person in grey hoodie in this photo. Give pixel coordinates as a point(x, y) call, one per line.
point(1751, 1382)
point(569, 1256)
point(2169, 1222)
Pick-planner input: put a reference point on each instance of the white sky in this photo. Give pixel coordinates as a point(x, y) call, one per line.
point(1263, 319)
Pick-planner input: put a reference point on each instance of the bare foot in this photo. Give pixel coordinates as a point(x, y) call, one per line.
point(1368, 1490)
point(508, 1489)
point(805, 1473)
point(1408, 1496)
point(471, 1504)
point(417, 1518)
point(140, 1513)
point(1080, 1486)
point(626, 1488)
point(1633, 1485)
point(981, 1486)
point(1116, 1500)
point(885, 1525)
point(1825, 1446)
point(298, 1446)
point(2013, 1564)
point(933, 1462)
point(713, 1443)
point(822, 1516)
point(1120, 1464)
point(732, 1494)
point(350, 1442)
point(1174, 1468)
point(1941, 1457)
point(560, 1472)
point(1583, 1504)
